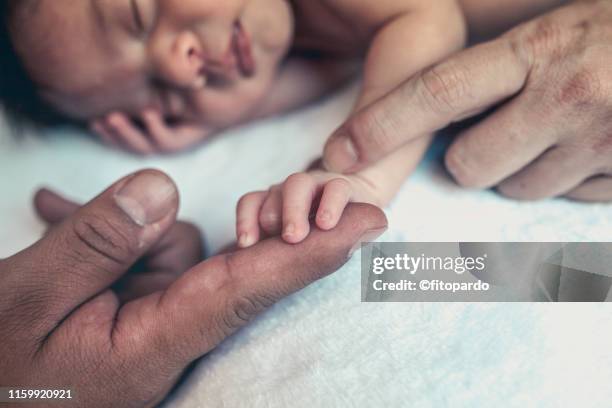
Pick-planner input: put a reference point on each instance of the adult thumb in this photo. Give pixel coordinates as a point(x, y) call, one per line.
point(90, 250)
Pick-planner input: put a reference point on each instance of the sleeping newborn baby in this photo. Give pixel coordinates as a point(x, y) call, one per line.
point(163, 75)
point(152, 75)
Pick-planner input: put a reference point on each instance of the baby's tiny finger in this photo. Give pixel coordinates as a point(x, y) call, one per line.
point(160, 132)
point(336, 196)
point(106, 135)
point(247, 218)
point(271, 212)
point(299, 192)
point(132, 137)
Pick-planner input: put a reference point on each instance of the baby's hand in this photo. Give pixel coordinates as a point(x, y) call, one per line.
point(118, 130)
point(288, 208)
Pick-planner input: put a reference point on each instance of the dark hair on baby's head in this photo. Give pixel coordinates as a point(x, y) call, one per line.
point(18, 93)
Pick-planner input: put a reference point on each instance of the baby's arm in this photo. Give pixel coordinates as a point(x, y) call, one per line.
point(410, 41)
point(422, 35)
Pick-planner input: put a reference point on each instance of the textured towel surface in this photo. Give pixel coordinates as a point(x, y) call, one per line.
point(322, 347)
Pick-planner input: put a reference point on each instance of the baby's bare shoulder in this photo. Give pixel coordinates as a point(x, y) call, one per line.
point(347, 22)
point(369, 14)
point(348, 25)
point(383, 9)
point(370, 11)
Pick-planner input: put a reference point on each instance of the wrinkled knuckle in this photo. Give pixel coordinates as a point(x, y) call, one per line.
point(444, 87)
point(371, 130)
point(241, 310)
point(360, 126)
point(516, 47)
point(582, 91)
point(545, 34)
point(101, 236)
point(546, 37)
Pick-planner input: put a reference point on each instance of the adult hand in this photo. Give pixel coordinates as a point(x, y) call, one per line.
point(550, 135)
point(65, 327)
point(179, 249)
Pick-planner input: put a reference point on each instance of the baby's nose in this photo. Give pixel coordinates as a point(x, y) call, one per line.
point(183, 63)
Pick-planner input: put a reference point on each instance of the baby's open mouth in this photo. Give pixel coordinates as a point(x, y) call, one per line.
point(243, 51)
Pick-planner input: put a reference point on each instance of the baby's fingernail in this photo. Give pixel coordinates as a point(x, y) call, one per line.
point(245, 240)
point(340, 154)
point(325, 217)
point(289, 230)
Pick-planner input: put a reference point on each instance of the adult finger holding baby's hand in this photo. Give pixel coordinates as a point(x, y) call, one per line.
point(550, 135)
point(64, 326)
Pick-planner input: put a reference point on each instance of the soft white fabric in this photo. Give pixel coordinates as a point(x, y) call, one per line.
point(322, 347)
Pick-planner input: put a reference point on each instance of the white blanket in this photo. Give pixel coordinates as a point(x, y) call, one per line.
point(322, 347)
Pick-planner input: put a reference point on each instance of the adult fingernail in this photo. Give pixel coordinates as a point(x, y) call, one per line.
point(368, 236)
point(147, 198)
point(341, 154)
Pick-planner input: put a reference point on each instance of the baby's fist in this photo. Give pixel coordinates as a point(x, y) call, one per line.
point(288, 209)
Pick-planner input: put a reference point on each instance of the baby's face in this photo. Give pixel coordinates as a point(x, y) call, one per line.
point(196, 61)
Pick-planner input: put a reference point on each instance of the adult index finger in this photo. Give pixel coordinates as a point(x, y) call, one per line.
point(458, 88)
point(224, 293)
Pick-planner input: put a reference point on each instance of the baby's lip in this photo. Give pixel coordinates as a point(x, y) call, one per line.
point(243, 50)
point(239, 55)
